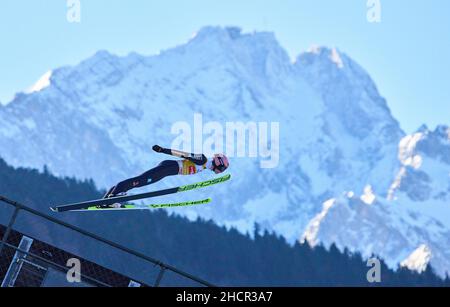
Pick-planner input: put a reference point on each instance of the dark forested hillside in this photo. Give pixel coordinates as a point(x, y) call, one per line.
point(221, 256)
point(33, 188)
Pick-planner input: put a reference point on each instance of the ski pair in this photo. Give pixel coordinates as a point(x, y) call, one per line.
point(122, 199)
point(154, 206)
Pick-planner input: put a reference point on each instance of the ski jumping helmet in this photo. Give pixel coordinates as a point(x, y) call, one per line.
point(220, 163)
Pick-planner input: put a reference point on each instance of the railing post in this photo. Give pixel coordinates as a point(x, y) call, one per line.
point(160, 275)
point(8, 229)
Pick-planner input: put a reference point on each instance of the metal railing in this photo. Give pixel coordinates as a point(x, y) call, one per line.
point(18, 207)
point(52, 264)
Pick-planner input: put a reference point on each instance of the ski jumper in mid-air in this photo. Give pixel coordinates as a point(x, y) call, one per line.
point(190, 165)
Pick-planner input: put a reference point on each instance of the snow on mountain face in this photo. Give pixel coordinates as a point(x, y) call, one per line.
point(356, 116)
point(390, 231)
point(423, 181)
point(418, 260)
point(100, 118)
point(415, 215)
point(42, 83)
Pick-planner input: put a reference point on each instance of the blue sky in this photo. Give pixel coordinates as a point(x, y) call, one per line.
point(407, 54)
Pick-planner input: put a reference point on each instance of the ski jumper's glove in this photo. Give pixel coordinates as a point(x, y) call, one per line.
point(162, 150)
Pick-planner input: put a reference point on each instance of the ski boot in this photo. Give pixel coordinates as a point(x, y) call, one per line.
point(115, 205)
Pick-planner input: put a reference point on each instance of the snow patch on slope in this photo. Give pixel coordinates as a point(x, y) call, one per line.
point(406, 152)
point(418, 260)
point(41, 84)
point(408, 157)
point(368, 197)
point(311, 234)
point(336, 58)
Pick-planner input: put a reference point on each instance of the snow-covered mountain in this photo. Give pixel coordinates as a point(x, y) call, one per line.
point(411, 225)
point(347, 174)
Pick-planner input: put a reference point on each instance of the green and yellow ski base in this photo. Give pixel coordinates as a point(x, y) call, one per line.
point(153, 206)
